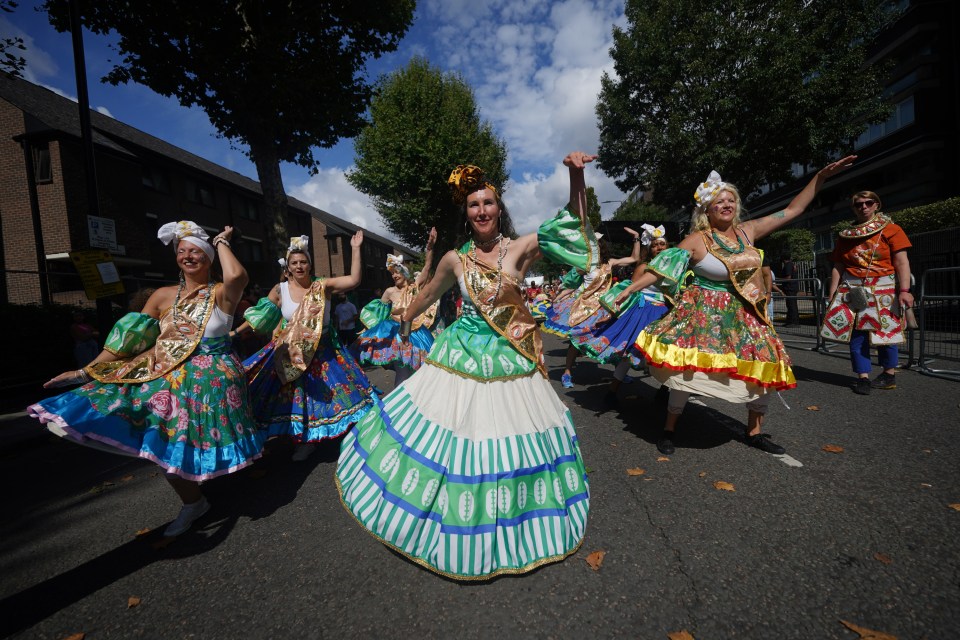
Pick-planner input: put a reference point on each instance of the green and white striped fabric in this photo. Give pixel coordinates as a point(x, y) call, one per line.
point(468, 509)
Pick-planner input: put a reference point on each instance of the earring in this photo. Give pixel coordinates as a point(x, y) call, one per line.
point(466, 228)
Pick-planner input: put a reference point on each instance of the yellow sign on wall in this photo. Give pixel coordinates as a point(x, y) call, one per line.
point(98, 273)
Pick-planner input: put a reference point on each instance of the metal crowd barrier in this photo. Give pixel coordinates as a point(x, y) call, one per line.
point(809, 313)
point(938, 315)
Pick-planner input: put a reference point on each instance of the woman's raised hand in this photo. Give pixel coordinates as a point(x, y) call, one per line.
point(631, 232)
point(836, 167)
point(357, 239)
point(578, 159)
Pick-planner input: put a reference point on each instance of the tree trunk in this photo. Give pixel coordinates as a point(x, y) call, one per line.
point(275, 202)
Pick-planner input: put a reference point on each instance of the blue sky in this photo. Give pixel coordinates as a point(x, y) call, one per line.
point(535, 68)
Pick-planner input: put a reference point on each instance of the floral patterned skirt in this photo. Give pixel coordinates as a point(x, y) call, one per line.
point(331, 395)
point(712, 332)
point(195, 421)
point(615, 340)
point(381, 345)
point(557, 319)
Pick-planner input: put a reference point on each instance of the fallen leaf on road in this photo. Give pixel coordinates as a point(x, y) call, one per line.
point(637, 471)
point(613, 444)
point(702, 474)
point(925, 485)
point(680, 635)
point(127, 478)
point(882, 557)
point(813, 407)
point(867, 634)
point(663, 459)
point(133, 601)
point(927, 451)
point(595, 559)
point(955, 506)
point(832, 448)
point(143, 532)
point(587, 470)
point(724, 486)
point(107, 483)
point(76, 636)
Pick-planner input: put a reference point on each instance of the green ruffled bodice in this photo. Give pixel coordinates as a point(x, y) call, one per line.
point(671, 265)
point(471, 348)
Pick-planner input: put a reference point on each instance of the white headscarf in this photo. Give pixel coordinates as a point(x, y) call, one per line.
point(707, 191)
point(189, 231)
point(395, 265)
point(651, 233)
point(296, 244)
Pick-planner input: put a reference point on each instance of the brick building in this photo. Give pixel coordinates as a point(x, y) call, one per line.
point(143, 183)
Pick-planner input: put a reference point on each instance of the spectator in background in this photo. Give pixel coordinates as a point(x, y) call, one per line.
point(769, 285)
point(85, 345)
point(789, 289)
point(346, 315)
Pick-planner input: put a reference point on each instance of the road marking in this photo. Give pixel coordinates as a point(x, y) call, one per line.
point(790, 461)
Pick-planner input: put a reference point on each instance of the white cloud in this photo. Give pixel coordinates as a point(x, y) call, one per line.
point(105, 112)
point(330, 191)
point(39, 63)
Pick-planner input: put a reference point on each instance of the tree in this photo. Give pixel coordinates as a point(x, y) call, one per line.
point(796, 243)
point(640, 211)
point(11, 63)
point(746, 87)
point(278, 77)
point(422, 124)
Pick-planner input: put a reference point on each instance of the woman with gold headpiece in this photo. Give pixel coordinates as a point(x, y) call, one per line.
point(869, 289)
point(717, 340)
point(305, 385)
point(380, 342)
point(472, 467)
point(167, 386)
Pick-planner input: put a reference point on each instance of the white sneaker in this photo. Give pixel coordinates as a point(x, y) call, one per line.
point(188, 514)
point(303, 452)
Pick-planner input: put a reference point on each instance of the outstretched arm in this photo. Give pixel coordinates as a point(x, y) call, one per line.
point(424, 276)
point(634, 255)
point(444, 278)
point(766, 225)
point(342, 284)
point(235, 277)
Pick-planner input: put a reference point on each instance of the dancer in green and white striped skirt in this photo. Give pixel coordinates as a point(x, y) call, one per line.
point(472, 467)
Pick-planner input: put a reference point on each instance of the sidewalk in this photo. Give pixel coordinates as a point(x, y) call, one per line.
point(16, 428)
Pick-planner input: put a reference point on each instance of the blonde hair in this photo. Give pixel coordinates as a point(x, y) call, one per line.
point(870, 195)
point(699, 221)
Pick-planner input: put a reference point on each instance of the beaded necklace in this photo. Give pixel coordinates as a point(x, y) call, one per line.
point(723, 244)
point(500, 253)
point(488, 243)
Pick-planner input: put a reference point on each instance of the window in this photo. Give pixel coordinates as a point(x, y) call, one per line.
point(903, 115)
point(156, 179)
point(250, 250)
point(200, 192)
point(333, 247)
point(41, 163)
point(248, 209)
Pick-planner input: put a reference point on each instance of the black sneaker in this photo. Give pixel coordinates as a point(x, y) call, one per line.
point(665, 444)
point(884, 381)
point(763, 442)
point(862, 386)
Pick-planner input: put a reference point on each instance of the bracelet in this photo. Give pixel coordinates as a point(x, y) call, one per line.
point(81, 375)
point(904, 290)
point(405, 327)
point(636, 239)
point(218, 241)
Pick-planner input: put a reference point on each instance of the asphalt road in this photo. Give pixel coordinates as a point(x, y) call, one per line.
point(866, 535)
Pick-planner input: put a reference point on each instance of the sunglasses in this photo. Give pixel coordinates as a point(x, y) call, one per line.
point(864, 203)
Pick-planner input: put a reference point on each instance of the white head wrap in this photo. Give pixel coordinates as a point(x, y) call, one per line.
point(651, 233)
point(296, 244)
point(189, 231)
point(597, 235)
point(395, 265)
point(707, 191)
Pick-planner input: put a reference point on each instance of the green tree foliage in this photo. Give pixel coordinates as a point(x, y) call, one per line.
point(11, 63)
point(280, 78)
point(746, 87)
point(640, 211)
point(796, 243)
point(422, 124)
